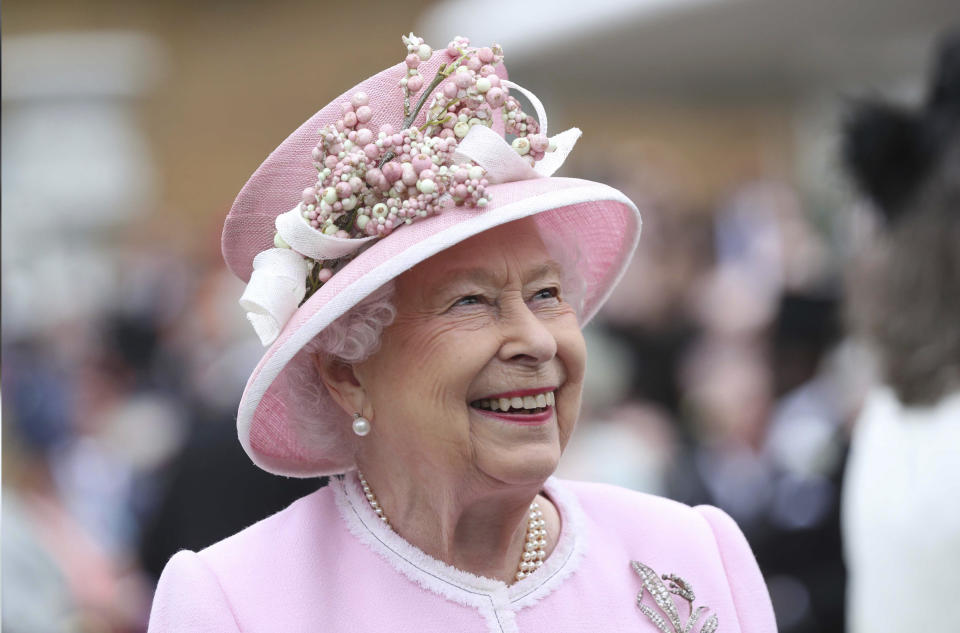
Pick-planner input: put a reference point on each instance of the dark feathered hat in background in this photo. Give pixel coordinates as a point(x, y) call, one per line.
point(890, 150)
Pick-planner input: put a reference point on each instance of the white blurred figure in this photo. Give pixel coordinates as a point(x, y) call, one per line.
point(900, 516)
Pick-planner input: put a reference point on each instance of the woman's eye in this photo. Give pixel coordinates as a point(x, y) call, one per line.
point(547, 293)
point(469, 300)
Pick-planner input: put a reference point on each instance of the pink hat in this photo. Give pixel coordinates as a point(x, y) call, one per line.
point(282, 214)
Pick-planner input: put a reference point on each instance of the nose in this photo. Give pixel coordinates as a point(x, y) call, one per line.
point(527, 339)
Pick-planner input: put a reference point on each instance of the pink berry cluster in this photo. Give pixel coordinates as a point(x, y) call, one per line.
point(471, 93)
point(417, 51)
point(356, 197)
point(469, 97)
point(528, 143)
point(371, 182)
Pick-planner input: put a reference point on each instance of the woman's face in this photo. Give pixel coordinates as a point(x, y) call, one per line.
point(485, 321)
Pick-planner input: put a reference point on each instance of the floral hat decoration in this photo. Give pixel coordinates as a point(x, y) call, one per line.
point(406, 164)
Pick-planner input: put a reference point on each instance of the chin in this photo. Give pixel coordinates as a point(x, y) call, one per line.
point(531, 466)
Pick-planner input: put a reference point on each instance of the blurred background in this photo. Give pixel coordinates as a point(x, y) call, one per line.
point(720, 371)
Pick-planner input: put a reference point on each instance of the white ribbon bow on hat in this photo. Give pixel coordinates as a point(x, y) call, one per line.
point(502, 163)
point(279, 279)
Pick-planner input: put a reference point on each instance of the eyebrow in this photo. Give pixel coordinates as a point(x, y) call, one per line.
point(483, 276)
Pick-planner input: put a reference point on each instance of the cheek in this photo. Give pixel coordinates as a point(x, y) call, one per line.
point(427, 368)
point(572, 351)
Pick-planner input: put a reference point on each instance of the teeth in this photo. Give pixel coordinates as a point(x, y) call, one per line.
point(538, 401)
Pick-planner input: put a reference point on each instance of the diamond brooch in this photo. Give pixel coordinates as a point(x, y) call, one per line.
point(668, 618)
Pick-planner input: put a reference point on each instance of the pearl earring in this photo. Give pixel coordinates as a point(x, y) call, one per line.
point(361, 425)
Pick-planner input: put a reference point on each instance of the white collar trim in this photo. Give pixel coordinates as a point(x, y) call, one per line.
point(495, 599)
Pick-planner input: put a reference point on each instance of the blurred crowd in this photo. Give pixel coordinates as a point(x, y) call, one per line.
point(720, 372)
point(120, 449)
point(721, 352)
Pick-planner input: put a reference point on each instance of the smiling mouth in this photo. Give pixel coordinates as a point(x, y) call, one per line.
point(516, 404)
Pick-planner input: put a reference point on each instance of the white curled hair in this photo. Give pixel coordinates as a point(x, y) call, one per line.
point(352, 338)
point(355, 336)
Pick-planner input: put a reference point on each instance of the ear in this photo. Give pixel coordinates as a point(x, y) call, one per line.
point(341, 381)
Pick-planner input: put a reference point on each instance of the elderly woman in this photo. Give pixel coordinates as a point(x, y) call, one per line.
point(422, 302)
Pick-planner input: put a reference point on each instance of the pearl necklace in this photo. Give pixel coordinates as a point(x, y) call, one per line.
point(534, 549)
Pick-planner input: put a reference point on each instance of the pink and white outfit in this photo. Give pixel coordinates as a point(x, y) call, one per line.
point(327, 563)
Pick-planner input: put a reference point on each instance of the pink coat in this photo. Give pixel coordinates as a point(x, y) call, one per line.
point(326, 563)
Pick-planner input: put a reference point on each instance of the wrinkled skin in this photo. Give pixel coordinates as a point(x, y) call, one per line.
point(485, 317)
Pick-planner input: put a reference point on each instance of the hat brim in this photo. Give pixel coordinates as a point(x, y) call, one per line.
point(601, 220)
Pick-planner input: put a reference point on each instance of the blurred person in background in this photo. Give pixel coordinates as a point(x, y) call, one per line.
point(761, 422)
point(211, 355)
point(114, 428)
point(68, 564)
point(901, 518)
